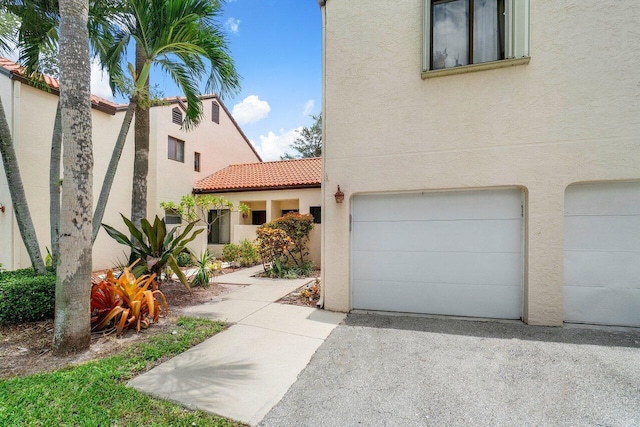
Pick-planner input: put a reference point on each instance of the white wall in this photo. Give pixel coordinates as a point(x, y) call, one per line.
point(571, 115)
point(31, 115)
point(219, 145)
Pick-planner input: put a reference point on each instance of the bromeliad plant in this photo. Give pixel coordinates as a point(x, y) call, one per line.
point(154, 247)
point(126, 302)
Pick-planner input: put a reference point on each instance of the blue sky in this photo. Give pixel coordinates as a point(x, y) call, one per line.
point(277, 47)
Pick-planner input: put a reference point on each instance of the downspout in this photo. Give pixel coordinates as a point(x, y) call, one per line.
point(323, 10)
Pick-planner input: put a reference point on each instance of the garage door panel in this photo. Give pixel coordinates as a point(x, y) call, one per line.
point(597, 269)
point(610, 232)
point(455, 253)
point(622, 198)
point(447, 299)
point(602, 254)
point(605, 306)
point(498, 204)
point(503, 269)
point(448, 236)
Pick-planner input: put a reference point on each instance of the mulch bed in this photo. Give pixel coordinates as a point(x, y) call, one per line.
point(26, 348)
point(306, 295)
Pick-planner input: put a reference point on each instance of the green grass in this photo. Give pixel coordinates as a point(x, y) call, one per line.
point(94, 394)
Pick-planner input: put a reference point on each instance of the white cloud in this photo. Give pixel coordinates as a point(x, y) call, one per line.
point(250, 110)
point(233, 25)
point(100, 81)
point(272, 146)
point(308, 107)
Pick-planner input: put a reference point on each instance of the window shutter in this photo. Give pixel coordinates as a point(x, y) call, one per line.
point(176, 116)
point(517, 28)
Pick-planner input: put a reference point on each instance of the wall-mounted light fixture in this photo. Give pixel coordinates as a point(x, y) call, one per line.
point(339, 195)
point(2, 208)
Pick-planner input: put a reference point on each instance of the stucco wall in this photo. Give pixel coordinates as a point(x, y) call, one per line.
point(31, 115)
point(219, 145)
point(571, 115)
point(6, 218)
point(301, 199)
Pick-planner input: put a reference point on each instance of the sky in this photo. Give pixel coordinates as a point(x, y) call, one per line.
point(277, 48)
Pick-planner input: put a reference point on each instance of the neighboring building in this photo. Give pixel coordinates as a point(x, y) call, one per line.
point(270, 190)
point(507, 188)
point(177, 159)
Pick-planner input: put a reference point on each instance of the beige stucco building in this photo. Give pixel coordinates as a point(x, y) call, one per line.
point(174, 165)
point(270, 190)
point(496, 175)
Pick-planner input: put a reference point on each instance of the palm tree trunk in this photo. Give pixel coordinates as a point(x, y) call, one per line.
point(54, 186)
point(72, 325)
point(18, 197)
point(111, 170)
point(141, 161)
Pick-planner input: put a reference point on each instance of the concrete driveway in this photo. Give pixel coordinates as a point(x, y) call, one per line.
point(383, 370)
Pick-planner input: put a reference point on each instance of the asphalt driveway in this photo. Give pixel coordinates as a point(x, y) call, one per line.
point(381, 370)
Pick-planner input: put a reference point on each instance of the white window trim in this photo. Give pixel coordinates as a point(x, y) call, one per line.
point(517, 42)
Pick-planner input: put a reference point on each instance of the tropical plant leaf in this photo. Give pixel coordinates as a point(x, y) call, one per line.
point(174, 266)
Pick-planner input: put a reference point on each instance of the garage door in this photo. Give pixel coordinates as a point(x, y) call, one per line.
point(451, 253)
point(602, 254)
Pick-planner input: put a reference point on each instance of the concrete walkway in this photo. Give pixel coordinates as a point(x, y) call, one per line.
point(244, 371)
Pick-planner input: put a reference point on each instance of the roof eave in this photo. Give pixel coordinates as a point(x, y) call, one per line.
point(246, 189)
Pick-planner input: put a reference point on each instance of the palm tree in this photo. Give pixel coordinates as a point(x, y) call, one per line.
point(72, 325)
point(181, 38)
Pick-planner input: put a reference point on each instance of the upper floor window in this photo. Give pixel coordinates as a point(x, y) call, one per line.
point(176, 149)
point(196, 162)
point(176, 116)
point(466, 32)
point(215, 112)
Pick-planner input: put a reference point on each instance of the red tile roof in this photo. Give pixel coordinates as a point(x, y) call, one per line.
point(54, 84)
point(283, 174)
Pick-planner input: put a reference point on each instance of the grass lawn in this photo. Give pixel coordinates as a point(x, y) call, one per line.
point(94, 394)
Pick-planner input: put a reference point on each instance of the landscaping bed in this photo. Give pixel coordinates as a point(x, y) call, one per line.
point(307, 295)
point(26, 348)
point(95, 393)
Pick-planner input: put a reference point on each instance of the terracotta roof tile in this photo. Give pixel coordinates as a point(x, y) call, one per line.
point(298, 173)
point(53, 83)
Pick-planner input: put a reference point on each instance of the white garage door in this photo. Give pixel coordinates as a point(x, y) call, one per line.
point(602, 254)
point(453, 253)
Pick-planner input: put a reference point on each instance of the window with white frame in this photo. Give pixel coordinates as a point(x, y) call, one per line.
point(458, 33)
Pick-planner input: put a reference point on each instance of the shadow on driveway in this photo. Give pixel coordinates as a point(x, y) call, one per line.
point(571, 334)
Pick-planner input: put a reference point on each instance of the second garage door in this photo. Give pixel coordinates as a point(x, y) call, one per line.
point(602, 254)
point(452, 253)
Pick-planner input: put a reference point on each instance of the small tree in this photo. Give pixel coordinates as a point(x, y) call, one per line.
point(196, 208)
point(309, 141)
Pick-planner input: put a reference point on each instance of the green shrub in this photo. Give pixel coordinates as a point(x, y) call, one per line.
point(184, 259)
point(230, 252)
point(248, 253)
point(26, 297)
